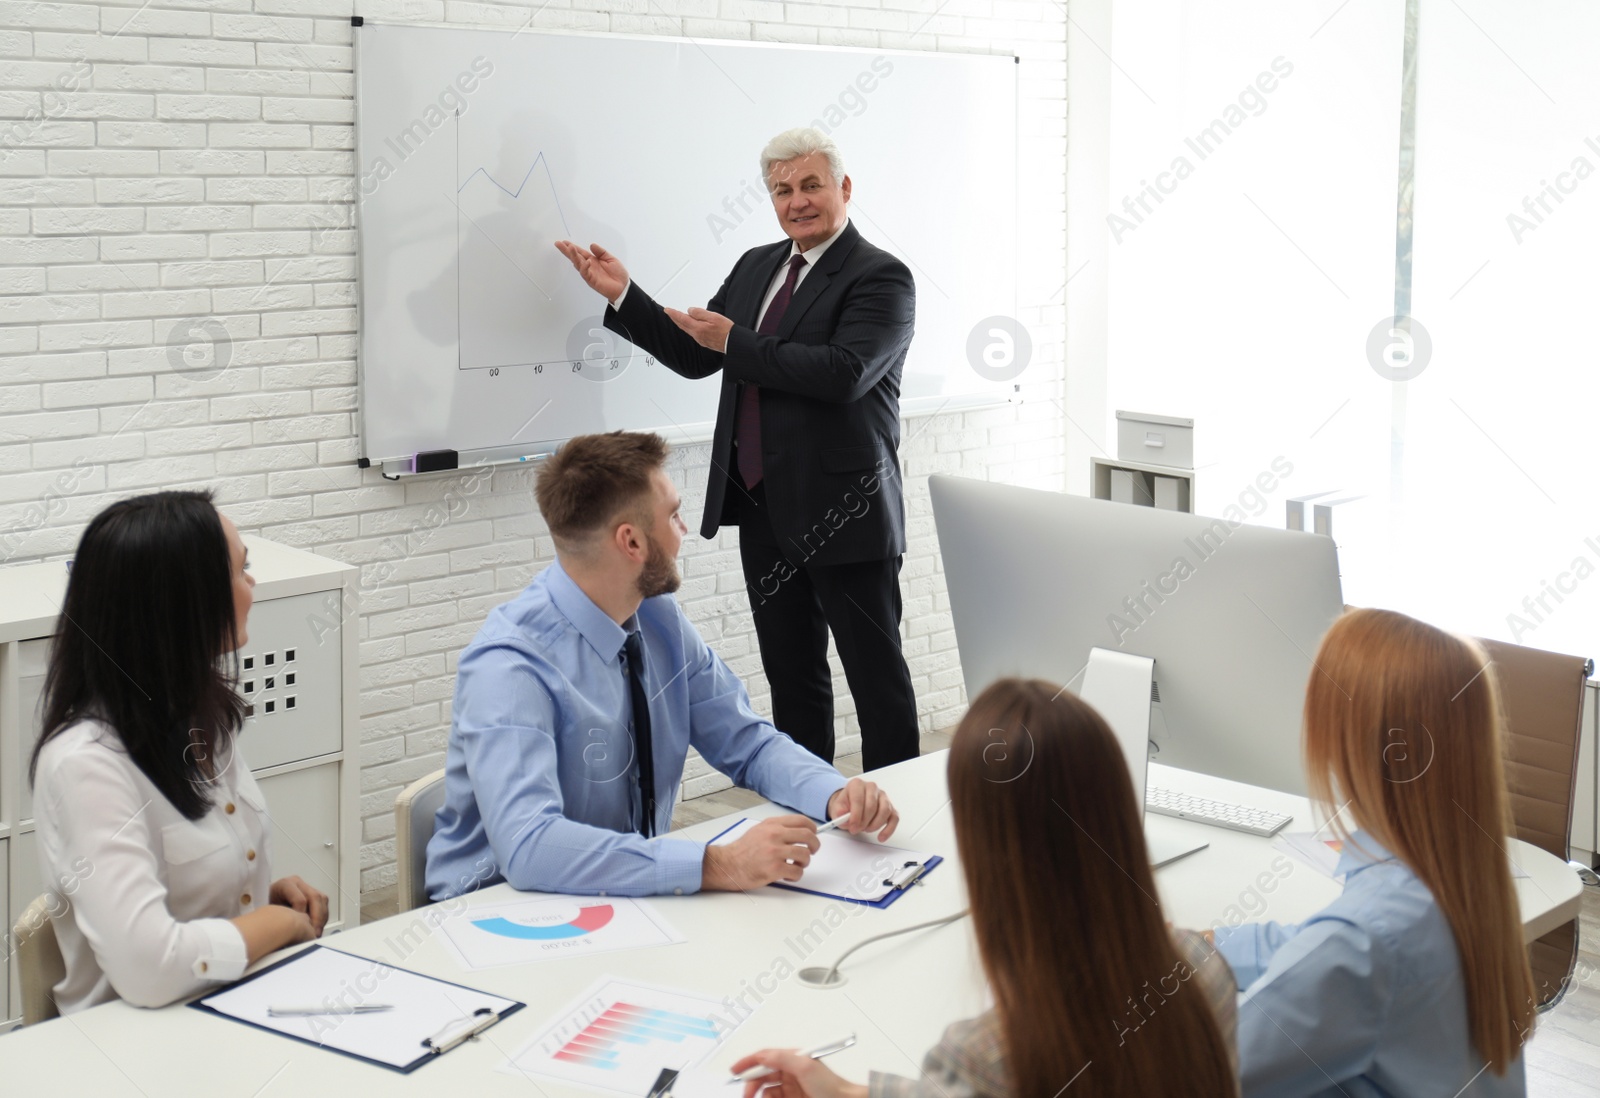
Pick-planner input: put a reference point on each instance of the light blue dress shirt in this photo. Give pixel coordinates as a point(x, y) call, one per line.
point(541, 780)
point(1364, 999)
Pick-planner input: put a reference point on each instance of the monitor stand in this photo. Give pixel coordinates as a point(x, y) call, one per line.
point(1118, 685)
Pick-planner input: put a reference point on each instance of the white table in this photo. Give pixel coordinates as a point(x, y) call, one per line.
point(900, 995)
point(1240, 873)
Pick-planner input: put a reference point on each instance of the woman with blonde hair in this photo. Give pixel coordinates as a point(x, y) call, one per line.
point(1092, 990)
point(1415, 981)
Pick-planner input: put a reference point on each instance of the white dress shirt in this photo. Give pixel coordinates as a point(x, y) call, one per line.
point(147, 892)
point(813, 255)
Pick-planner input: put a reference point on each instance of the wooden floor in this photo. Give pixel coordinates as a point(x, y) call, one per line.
point(1564, 1055)
point(1563, 1059)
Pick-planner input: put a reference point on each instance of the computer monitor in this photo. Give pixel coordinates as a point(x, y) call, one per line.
point(1232, 614)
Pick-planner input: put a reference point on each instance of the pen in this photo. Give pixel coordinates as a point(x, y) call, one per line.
point(833, 823)
point(759, 1072)
point(306, 1011)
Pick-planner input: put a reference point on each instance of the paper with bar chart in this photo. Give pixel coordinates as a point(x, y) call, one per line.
point(551, 929)
point(619, 1035)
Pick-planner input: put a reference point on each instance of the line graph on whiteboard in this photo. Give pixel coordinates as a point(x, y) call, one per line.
point(516, 296)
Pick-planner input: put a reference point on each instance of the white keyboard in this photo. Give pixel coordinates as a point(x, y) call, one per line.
point(1234, 817)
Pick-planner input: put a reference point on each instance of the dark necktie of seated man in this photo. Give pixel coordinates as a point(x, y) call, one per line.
point(643, 750)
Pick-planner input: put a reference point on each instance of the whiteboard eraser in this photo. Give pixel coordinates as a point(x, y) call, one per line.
point(434, 461)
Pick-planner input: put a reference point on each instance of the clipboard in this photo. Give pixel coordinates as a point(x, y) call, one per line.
point(907, 869)
point(440, 1014)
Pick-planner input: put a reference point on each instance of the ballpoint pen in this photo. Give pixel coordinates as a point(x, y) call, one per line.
point(306, 1011)
point(760, 1072)
point(833, 823)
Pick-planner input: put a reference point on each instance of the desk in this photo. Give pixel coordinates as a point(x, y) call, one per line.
point(1239, 872)
point(900, 996)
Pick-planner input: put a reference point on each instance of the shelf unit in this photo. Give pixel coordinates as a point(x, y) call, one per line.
point(1139, 482)
point(299, 674)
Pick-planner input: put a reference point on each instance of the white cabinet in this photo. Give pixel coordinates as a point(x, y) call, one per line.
point(33, 656)
point(22, 875)
point(6, 996)
point(298, 673)
point(304, 805)
point(294, 689)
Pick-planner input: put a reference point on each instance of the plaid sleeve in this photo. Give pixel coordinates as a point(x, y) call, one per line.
point(968, 1062)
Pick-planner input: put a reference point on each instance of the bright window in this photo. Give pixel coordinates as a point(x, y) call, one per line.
point(1254, 174)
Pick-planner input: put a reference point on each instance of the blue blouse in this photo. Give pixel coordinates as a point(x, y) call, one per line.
point(1364, 999)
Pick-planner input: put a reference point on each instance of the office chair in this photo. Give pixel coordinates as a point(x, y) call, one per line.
point(1542, 694)
point(414, 809)
point(41, 965)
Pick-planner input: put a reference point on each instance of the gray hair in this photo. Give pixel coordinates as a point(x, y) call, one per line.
point(802, 141)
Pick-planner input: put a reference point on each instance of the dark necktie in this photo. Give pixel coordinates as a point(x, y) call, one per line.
point(643, 750)
point(749, 429)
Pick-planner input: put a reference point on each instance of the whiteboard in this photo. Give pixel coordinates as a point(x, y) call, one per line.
point(477, 149)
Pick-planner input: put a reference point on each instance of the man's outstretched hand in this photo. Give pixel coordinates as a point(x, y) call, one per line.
point(603, 271)
point(707, 328)
point(607, 277)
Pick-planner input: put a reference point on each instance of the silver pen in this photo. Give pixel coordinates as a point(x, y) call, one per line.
point(306, 1011)
point(759, 1072)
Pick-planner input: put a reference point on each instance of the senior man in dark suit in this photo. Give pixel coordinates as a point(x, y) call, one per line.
point(810, 335)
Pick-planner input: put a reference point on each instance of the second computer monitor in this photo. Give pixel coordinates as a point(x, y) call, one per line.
point(1232, 614)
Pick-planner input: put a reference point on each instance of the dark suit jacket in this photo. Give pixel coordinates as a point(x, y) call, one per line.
point(830, 395)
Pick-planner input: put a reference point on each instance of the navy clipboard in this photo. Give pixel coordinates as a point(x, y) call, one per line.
point(903, 877)
point(240, 1002)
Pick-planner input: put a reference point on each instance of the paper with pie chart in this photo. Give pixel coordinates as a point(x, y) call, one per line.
point(618, 1035)
point(548, 929)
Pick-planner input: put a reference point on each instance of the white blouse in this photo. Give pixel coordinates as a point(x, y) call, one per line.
point(144, 895)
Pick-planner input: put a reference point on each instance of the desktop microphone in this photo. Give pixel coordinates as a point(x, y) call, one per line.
point(820, 977)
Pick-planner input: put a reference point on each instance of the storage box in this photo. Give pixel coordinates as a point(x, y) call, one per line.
point(1155, 440)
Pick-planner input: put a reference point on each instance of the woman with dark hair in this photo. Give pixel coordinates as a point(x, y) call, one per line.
point(1092, 989)
point(152, 831)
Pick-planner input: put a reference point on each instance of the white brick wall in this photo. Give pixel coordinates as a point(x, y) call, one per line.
point(191, 159)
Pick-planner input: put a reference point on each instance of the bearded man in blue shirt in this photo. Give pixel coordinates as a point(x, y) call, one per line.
point(578, 700)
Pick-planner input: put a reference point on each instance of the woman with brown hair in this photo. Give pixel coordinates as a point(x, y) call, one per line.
point(1415, 981)
point(1091, 987)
